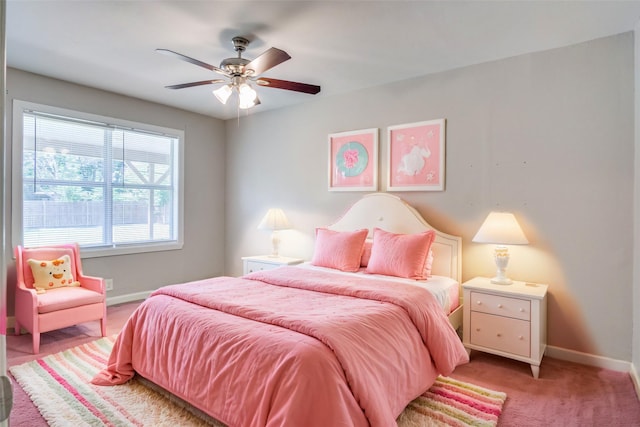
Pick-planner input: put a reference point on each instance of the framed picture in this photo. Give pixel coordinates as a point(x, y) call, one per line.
point(416, 156)
point(353, 160)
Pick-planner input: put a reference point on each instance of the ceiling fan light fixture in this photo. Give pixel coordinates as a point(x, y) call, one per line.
point(247, 93)
point(247, 96)
point(223, 93)
point(245, 104)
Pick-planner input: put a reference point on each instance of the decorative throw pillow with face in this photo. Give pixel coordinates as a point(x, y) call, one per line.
point(52, 274)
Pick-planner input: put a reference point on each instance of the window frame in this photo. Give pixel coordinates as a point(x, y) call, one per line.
point(19, 108)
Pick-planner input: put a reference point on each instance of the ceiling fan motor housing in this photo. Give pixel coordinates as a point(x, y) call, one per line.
point(234, 66)
point(240, 44)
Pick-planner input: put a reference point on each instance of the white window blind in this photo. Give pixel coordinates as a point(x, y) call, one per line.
point(107, 184)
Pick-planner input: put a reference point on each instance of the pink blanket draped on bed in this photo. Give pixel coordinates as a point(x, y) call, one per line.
point(289, 346)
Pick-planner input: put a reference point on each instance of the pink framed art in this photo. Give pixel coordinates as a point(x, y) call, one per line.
point(416, 156)
point(353, 160)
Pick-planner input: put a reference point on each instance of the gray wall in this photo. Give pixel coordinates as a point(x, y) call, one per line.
point(203, 251)
point(549, 136)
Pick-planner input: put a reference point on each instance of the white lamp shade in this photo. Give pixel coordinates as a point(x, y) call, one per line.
point(501, 228)
point(275, 219)
point(247, 96)
point(223, 93)
point(246, 92)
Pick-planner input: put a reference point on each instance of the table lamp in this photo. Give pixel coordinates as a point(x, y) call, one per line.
point(501, 228)
point(274, 220)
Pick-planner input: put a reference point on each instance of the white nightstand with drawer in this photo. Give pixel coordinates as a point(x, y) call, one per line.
point(266, 262)
point(507, 320)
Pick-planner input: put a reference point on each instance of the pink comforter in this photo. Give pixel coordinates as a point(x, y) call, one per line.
point(289, 347)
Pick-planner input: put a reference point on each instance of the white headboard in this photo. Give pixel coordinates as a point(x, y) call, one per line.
point(392, 214)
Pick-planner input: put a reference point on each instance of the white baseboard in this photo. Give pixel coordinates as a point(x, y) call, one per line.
point(121, 299)
point(588, 359)
point(596, 361)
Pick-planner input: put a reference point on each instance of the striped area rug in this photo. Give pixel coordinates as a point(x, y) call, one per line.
point(451, 402)
point(59, 386)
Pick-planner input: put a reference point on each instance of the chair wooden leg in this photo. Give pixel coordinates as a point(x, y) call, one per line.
point(103, 326)
point(36, 342)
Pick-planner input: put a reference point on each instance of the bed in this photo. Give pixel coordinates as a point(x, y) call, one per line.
point(389, 212)
point(303, 345)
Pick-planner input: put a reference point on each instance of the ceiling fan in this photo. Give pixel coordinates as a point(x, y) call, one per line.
point(240, 72)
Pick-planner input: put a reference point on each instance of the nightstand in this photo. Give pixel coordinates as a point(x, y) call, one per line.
point(507, 320)
point(266, 262)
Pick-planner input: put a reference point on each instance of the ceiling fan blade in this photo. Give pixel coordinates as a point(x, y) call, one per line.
point(192, 61)
point(201, 83)
point(266, 61)
point(285, 84)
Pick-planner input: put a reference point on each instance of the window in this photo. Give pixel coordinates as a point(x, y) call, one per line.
point(110, 185)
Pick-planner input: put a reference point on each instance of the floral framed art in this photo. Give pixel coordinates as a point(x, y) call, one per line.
point(416, 156)
point(353, 160)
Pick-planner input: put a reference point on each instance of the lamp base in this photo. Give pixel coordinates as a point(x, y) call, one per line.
point(501, 257)
point(501, 281)
point(275, 244)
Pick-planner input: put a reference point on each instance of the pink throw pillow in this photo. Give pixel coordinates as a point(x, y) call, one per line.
point(401, 255)
point(366, 256)
point(366, 253)
point(341, 250)
point(429, 264)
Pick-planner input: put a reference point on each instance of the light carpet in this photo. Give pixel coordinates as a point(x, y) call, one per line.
point(59, 386)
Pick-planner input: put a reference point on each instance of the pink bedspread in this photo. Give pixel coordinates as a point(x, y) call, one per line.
point(289, 347)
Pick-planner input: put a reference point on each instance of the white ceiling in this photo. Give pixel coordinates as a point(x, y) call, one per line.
point(339, 45)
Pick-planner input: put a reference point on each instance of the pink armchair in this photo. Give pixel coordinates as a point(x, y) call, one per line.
point(60, 307)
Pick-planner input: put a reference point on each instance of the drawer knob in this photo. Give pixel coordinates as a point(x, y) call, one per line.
point(479, 302)
point(521, 310)
point(520, 337)
point(477, 329)
point(498, 335)
point(499, 305)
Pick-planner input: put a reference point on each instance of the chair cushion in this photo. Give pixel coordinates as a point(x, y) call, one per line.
point(63, 298)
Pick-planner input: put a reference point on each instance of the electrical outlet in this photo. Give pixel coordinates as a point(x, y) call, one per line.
point(108, 284)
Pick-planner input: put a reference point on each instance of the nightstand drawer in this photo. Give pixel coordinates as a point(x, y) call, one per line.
point(499, 333)
point(258, 266)
point(502, 306)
